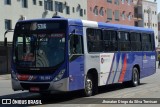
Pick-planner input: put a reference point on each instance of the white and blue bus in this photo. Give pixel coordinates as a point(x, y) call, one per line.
point(60, 55)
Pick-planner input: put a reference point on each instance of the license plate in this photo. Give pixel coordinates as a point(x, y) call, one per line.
point(34, 89)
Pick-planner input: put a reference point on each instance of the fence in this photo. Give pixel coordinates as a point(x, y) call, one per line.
point(5, 59)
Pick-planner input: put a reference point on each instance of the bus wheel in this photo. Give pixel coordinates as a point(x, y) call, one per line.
point(88, 91)
point(135, 77)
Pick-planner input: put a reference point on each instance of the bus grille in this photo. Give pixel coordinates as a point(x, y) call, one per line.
point(42, 87)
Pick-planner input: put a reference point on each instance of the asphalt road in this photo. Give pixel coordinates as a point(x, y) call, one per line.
point(149, 88)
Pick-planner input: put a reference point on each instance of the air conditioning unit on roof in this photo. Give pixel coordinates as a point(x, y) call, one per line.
point(22, 17)
point(65, 3)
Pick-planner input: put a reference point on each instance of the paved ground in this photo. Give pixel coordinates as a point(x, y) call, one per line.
point(5, 77)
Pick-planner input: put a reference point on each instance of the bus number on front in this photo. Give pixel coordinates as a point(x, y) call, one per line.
point(41, 26)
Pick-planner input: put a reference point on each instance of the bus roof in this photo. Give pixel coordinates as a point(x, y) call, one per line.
point(109, 26)
point(87, 23)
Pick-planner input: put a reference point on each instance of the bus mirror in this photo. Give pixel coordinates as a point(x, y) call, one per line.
point(5, 41)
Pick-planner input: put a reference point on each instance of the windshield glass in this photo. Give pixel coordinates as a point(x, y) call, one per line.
point(39, 50)
point(39, 43)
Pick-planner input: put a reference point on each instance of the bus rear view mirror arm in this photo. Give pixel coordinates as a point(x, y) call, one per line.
point(5, 38)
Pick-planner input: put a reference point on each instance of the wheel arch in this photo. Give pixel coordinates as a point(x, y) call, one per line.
point(93, 72)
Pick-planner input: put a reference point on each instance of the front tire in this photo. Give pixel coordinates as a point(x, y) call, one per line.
point(91, 85)
point(88, 91)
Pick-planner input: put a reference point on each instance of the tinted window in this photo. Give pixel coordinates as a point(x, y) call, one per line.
point(39, 50)
point(110, 40)
point(146, 42)
point(124, 43)
point(94, 40)
point(135, 41)
point(76, 45)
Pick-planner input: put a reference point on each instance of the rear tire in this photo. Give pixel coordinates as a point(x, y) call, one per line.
point(135, 77)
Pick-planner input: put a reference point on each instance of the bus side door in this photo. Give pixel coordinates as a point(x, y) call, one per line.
point(76, 62)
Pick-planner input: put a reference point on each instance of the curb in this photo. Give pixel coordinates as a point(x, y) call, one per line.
point(5, 77)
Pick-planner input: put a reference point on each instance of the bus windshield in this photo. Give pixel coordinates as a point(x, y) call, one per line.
point(38, 48)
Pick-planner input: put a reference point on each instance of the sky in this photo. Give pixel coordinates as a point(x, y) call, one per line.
point(158, 5)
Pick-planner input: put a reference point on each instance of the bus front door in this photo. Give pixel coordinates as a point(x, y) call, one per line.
point(76, 63)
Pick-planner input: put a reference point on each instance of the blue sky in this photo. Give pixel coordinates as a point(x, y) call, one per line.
point(158, 5)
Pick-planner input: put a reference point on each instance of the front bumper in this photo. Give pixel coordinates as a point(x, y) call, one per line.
point(61, 85)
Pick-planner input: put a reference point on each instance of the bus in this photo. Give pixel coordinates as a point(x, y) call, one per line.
point(60, 55)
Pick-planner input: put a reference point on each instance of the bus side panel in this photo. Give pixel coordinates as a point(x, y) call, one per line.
point(105, 60)
point(115, 69)
point(120, 66)
point(120, 70)
point(133, 58)
point(123, 63)
point(148, 64)
point(76, 74)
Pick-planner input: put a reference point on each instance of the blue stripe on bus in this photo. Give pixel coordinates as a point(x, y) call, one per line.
point(116, 76)
point(110, 70)
point(114, 68)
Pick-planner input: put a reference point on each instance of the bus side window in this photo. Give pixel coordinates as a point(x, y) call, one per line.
point(110, 40)
point(135, 41)
point(124, 42)
point(146, 42)
point(90, 39)
point(94, 40)
point(76, 44)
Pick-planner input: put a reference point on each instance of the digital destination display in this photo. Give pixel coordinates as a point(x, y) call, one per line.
point(41, 25)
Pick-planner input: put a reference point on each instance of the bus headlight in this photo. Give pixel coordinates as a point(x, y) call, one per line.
point(60, 75)
point(14, 75)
